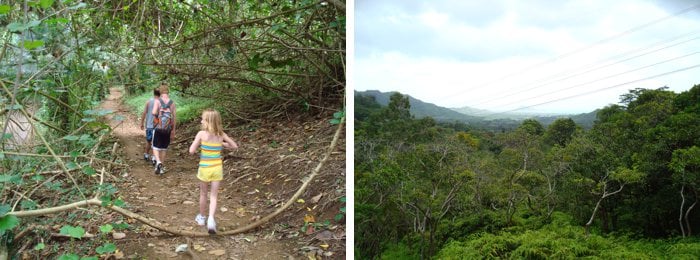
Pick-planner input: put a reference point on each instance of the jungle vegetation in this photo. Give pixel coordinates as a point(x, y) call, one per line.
point(627, 188)
point(58, 59)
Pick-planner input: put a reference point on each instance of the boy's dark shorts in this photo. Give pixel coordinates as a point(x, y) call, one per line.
point(161, 139)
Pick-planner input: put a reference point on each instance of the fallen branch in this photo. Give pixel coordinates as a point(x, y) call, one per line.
point(181, 231)
point(66, 156)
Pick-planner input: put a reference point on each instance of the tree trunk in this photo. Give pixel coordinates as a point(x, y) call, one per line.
point(590, 221)
point(687, 212)
point(680, 216)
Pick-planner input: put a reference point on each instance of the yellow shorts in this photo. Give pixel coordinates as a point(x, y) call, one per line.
point(210, 174)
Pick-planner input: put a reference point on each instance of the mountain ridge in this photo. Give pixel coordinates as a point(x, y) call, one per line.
point(474, 116)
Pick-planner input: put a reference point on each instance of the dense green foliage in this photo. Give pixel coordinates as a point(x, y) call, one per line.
point(626, 188)
point(249, 59)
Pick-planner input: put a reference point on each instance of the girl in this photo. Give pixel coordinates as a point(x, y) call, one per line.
point(211, 140)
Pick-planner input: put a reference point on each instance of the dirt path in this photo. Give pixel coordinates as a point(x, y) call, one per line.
point(246, 193)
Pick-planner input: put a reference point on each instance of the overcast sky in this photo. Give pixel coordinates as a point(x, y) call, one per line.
point(504, 55)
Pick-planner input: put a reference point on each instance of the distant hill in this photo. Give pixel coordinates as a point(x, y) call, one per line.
point(476, 117)
point(421, 109)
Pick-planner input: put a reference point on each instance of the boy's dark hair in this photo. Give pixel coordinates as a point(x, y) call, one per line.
point(156, 92)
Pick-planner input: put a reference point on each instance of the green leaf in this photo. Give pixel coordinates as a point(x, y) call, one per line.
point(30, 45)
point(7, 136)
point(253, 62)
point(88, 170)
point(70, 137)
point(4, 208)
point(338, 217)
point(88, 119)
point(15, 27)
point(14, 107)
point(121, 226)
point(78, 6)
point(6, 178)
point(28, 204)
point(106, 200)
point(18, 27)
point(103, 112)
point(4, 9)
point(106, 248)
point(76, 232)
point(342, 209)
point(334, 121)
point(8, 222)
point(69, 257)
point(119, 203)
point(37, 178)
point(74, 154)
point(343, 199)
point(106, 228)
point(45, 3)
point(71, 165)
point(57, 20)
point(339, 114)
point(89, 258)
point(98, 112)
point(39, 246)
point(33, 23)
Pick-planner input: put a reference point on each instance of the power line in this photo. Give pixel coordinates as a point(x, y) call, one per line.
point(598, 90)
point(563, 75)
point(634, 29)
point(604, 78)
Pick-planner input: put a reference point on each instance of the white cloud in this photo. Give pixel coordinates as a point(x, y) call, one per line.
point(545, 51)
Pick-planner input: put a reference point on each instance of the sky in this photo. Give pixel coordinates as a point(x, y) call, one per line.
point(525, 56)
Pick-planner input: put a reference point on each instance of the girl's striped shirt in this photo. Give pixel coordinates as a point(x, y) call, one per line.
point(210, 155)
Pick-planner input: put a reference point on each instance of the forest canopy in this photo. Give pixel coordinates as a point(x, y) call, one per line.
point(626, 188)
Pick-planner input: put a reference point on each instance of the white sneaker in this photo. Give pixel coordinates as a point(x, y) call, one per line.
point(200, 219)
point(158, 169)
point(211, 225)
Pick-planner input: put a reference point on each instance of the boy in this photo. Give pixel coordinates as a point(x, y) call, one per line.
point(148, 117)
point(164, 130)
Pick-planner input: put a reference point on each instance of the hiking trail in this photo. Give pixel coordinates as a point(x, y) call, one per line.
point(259, 177)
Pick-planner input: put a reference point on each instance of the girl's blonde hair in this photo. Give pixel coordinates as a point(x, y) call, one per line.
point(212, 122)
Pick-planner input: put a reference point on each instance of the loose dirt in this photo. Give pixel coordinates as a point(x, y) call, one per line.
point(273, 158)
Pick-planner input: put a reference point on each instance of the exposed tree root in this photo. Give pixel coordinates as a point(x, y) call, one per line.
point(181, 231)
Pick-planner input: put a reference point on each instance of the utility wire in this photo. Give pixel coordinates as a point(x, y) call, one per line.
point(603, 78)
point(598, 90)
point(634, 29)
point(563, 75)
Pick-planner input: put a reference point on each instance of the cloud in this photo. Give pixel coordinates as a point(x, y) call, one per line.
point(456, 53)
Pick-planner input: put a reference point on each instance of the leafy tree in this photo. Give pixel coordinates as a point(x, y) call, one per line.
point(686, 165)
point(560, 132)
